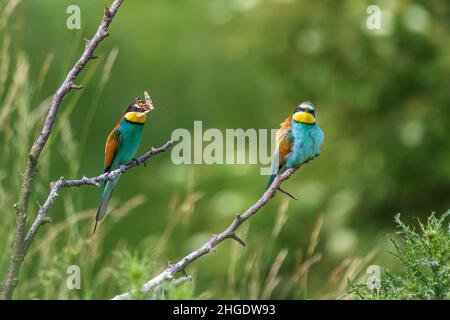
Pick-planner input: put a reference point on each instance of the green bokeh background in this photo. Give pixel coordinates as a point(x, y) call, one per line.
point(382, 99)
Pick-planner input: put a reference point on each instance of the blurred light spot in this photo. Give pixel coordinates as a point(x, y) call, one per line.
point(228, 203)
point(412, 133)
point(339, 207)
point(416, 18)
point(311, 193)
point(245, 5)
point(310, 42)
point(342, 242)
point(221, 12)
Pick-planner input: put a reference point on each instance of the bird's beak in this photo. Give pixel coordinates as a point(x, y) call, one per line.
point(140, 114)
point(304, 117)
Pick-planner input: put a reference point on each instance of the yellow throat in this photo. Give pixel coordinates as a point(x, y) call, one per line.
point(304, 117)
point(136, 117)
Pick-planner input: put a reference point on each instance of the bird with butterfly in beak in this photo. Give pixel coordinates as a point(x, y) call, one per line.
point(298, 140)
point(121, 147)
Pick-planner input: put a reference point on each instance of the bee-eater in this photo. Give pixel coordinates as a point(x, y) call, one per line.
point(121, 147)
point(298, 140)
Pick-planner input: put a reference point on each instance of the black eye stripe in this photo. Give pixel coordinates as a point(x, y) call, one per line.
point(133, 108)
point(304, 110)
point(305, 107)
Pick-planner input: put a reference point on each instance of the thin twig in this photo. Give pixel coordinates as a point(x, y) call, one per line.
point(208, 247)
point(172, 285)
point(56, 186)
point(18, 247)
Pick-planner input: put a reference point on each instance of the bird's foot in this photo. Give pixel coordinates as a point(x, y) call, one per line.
point(136, 162)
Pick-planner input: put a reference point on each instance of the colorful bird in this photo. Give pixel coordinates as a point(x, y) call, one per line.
point(298, 140)
point(121, 147)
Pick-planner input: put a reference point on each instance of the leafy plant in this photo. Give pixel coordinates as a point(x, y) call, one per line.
point(424, 256)
point(133, 271)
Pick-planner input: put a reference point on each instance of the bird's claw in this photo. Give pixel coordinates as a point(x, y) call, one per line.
point(135, 161)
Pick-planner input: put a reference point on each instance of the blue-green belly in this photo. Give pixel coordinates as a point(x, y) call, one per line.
point(306, 144)
point(131, 139)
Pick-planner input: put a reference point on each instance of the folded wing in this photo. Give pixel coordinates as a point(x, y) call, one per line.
point(112, 146)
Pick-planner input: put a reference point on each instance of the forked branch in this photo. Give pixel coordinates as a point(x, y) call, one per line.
point(209, 246)
point(19, 245)
point(61, 183)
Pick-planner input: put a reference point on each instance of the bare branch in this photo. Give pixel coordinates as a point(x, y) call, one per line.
point(19, 246)
point(76, 86)
point(239, 240)
point(209, 246)
point(56, 186)
point(173, 284)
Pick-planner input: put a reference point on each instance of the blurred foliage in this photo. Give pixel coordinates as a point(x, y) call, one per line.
point(134, 270)
point(425, 263)
point(382, 100)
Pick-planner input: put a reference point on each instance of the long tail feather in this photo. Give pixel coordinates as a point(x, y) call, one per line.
point(106, 195)
point(272, 177)
point(95, 226)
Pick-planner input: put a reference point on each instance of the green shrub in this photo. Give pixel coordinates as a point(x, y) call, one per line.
point(424, 257)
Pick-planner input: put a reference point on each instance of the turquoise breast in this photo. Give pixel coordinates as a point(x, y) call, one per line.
point(131, 140)
point(307, 140)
